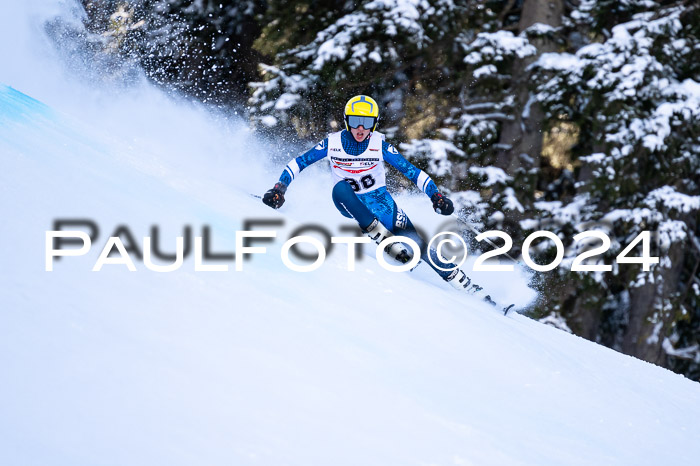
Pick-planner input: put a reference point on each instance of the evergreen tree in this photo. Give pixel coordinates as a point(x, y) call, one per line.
point(202, 48)
point(385, 48)
point(636, 101)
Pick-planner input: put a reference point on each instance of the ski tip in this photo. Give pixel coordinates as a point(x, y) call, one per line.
point(256, 196)
point(505, 311)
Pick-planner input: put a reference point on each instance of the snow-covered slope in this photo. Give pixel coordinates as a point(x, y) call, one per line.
point(264, 366)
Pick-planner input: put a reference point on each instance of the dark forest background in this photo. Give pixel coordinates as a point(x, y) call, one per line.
point(559, 115)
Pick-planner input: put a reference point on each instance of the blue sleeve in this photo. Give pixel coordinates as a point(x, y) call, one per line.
point(295, 166)
point(410, 171)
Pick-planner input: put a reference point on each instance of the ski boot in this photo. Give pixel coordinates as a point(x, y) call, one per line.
point(460, 281)
point(378, 233)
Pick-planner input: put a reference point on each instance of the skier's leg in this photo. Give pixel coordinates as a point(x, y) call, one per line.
point(404, 227)
point(347, 202)
point(378, 215)
point(446, 270)
point(384, 207)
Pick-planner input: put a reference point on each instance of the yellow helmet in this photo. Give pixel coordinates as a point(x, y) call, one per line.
point(361, 110)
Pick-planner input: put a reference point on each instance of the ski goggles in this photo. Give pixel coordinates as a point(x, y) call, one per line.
point(357, 121)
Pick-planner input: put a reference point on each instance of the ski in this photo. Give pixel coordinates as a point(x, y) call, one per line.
point(464, 282)
point(490, 300)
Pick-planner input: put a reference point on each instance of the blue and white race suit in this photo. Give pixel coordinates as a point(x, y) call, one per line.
point(360, 166)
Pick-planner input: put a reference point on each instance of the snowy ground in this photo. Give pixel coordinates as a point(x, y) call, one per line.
point(264, 366)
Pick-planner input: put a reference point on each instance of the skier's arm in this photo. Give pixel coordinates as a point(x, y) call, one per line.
point(297, 165)
point(275, 196)
point(441, 204)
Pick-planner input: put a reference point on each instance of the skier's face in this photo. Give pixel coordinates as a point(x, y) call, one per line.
point(359, 133)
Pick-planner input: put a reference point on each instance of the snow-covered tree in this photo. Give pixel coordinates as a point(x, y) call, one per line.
point(387, 48)
point(635, 98)
point(202, 48)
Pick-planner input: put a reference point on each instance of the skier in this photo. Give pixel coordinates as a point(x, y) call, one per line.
point(356, 156)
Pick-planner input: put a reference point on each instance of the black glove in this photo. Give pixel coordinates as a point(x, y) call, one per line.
point(442, 205)
point(275, 196)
